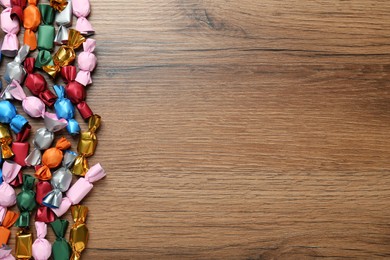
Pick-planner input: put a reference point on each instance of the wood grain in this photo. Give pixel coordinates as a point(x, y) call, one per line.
point(241, 130)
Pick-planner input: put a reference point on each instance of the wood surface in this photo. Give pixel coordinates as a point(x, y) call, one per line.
point(252, 129)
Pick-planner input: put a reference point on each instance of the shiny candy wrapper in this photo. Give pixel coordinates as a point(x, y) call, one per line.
point(10, 25)
point(63, 20)
point(61, 249)
point(79, 234)
point(20, 146)
point(81, 10)
point(44, 138)
point(43, 214)
point(65, 55)
point(15, 69)
point(80, 189)
point(17, 9)
point(7, 193)
point(86, 62)
point(45, 36)
point(5, 141)
point(60, 182)
point(25, 201)
point(37, 84)
point(8, 116)
point(31, 21)
point(41, 249)
point(5, 253)
point(23, 248)
point(52, 158)
point(75, 91)
point(86, 146)
point(58, 5)
point(9, 219)
point(65, 109)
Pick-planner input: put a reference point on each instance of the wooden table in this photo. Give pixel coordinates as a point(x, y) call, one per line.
point(241, 130)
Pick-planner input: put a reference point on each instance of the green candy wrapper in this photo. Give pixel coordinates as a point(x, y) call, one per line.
point(46, 35)
point(25, 201)
point(61, 249)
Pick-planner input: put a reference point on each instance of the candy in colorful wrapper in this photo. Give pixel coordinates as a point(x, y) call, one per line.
point(5, 141)
point(37, 84)
point(41, 248)
point(15, 69)
point(20, 146)
point(86, 62)
point(44, 138)
point(7, 193)
point(9, 219)
point(79, 235)
point(43, 214)
point(8, 116)
point(23, 249)
point(25, 201)
point(10, 25)
point(63, 20)
point(80, 189)
point(58, 5)
point(17, 9)
point(31, 21)
point(60, 182)
point(86, 146)
point(52, 158)
point(65, 109)
point(5, 253)
point(65, 55)
point(45, 36)
point(81, 10)
point(75, 91)
point(61, 249)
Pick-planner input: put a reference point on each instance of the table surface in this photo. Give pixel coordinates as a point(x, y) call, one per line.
point(241, 130)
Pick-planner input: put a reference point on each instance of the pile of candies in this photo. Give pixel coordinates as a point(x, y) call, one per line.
point(49, 194)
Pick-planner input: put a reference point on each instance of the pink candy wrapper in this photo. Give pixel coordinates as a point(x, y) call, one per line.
point(7, 193)
point(5, 253)
point(81, 9)
point(41, 249)
point(86, 62)
point(10, 25)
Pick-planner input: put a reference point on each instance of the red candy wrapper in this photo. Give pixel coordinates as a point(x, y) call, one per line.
point(43, 214)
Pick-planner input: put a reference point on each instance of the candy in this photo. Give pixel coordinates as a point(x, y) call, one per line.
point(25, 201)
point(44, 138)
point(41, 249)
point(43, 214)
point(5, 141)
point(37, 84)
point(10, 25)
point(8, 116)
point(17, 9)
point(15, 69)
point(61, 249)
point(79, 232)
point(65, 109)
point(7, 193)
point(81, 9)
point(23, 248)
point(61, 181)
point(58, 5)
point(86, 146)
point(80, 189)
point(63, 20)
point(9, 219)
point(5, 253)
point(86, 62)
point(45, 36)
point(20, 146)
point(52, 158)
point(31, 21)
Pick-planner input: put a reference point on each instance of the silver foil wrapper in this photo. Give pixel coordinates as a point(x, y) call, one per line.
point(15, 69)
point(63, 20)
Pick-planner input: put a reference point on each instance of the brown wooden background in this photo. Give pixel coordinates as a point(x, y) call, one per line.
point(253, 129)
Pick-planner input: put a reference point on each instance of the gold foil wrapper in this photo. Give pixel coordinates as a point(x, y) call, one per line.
point(58, 5)
point(5, 141)
point(79, 232)
point(24, 240)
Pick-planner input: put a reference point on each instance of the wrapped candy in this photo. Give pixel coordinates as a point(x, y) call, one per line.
point(75, 91)
point(44, 138)
point(9, 219)
point(60, 182)
point(43, 214)
point(65, 109)
point(61, 249)
point(59, 5)
point(31, 21)
point(37, 84)
point(23, 248)
point(65, 55)
point(81, 10)
point(20, 146)
point(25, 201)
point(15, 69)
point(79, 235)
point(8, 116)
point(63, 20)
point(17, 9)
point(5, 141)
point(52, 158)
point(7, 193)
point(5, 253)
point(45, 36)
point(86, 62)
point(86, 146)
point(80, 189)
point(41, 249)
point(10, 25)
